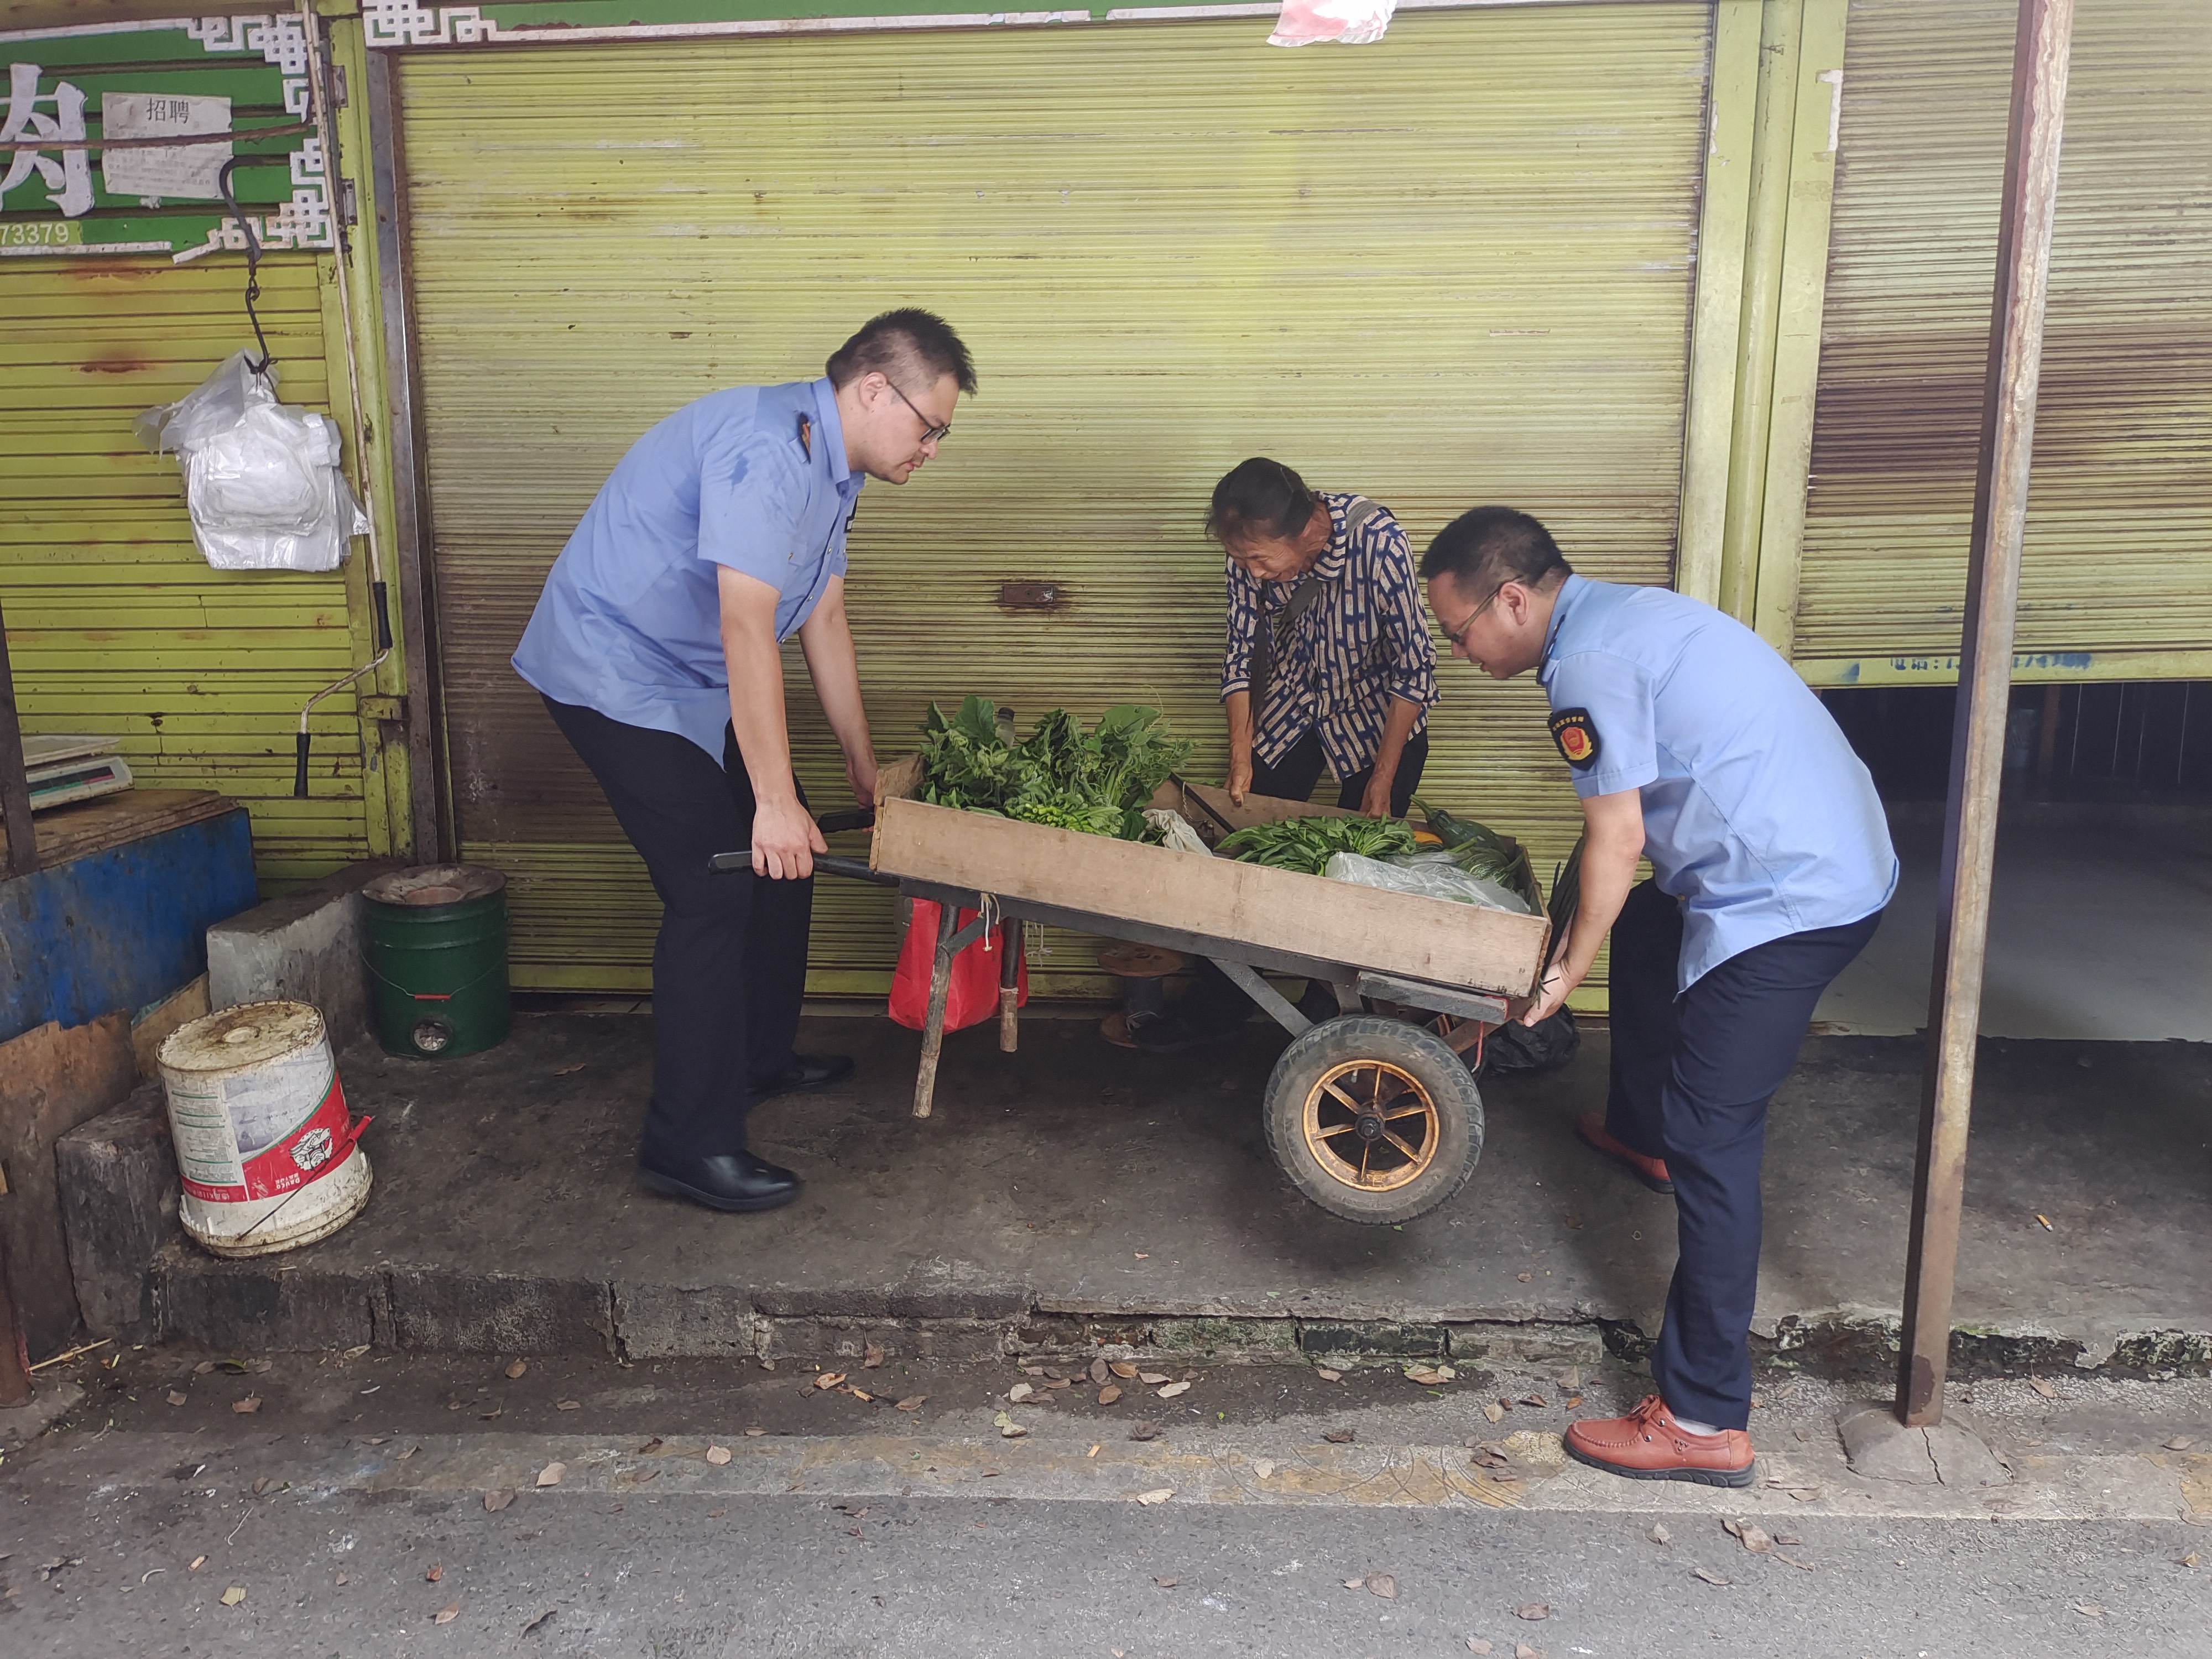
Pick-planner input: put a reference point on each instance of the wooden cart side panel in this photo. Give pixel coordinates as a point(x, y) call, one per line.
point(1280, 909)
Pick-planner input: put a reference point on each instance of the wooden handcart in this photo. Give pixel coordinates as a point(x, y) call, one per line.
point(1373, 1114)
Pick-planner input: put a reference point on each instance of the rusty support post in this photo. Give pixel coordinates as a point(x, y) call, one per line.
point(1011, 942)
point(15, 1357)
point(1978, 737)
point(14, 786)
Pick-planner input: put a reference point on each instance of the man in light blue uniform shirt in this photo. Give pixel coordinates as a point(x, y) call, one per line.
point(655, 645)
point(1689, 740)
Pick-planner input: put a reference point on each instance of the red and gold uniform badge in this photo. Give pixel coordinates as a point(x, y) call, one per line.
point(1576, 734)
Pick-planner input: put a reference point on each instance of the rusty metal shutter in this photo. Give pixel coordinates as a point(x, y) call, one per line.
point(115, 622)
point(1451, 268)
point(2116, 578)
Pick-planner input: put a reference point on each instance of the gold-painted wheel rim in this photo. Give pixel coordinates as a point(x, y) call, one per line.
point(1407, 1129)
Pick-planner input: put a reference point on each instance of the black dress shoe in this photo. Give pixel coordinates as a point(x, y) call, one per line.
point(736, 1181)
point(805, 1072)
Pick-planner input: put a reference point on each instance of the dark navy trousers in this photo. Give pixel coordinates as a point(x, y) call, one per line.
point(1691, 1078)
point(729, 964)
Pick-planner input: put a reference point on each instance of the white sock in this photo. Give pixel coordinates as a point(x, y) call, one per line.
point(1688, 1426)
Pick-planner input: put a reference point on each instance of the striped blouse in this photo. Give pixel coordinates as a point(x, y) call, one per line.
point(1363, 642)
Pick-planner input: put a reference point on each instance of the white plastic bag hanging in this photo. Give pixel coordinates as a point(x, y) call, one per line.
point(1346, 22)
point(261, 477)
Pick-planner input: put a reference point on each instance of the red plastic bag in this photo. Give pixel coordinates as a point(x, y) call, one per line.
point(973, 995)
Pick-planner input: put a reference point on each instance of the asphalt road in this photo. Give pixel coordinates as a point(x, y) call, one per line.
point(350, 1510)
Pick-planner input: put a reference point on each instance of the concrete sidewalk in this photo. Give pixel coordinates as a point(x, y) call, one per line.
point(1076, 1192)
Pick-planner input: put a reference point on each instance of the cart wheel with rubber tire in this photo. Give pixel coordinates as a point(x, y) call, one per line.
point(1374, 1120)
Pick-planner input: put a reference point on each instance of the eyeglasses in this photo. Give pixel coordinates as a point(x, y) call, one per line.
point(1457, 636)
point(930, 432)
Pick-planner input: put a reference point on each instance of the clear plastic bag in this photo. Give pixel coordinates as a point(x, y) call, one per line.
point(1176, 831)
point(1431, 875)
point(261, 477)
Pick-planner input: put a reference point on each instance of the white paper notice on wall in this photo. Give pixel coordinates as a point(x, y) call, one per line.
point(1346, 22)
point(163, 170)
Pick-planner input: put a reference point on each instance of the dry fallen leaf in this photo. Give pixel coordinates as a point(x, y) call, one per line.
point(207, 1366)
point(1574, 1401)
point(568, 1405)
point(435, 1573)
point(1710, 1578)
point(1126, 1369)
point(1173, 1390)
point(176, 1398)
point(1382, 1584)
point(2181, 1442)
point(1326, 1375)
point(1523, 1650)
point(1108, 1394)
point(1493, 1411)
point(1792, 1561)
point(1659, 1535)
point(1524, 1277)
point(651, 1446)
point(1533, 1610)
point(718, 1456)
point(2087, 1609)
point(1099, 1371)
point(1150, 1377)
point(1263, 1466)
point(1355, 1584)
point(570, 1071)
point(2192, 1560)
point(447, 1615)
point(539, 1620)
point(755, 1434)
point(828, 1379)
point(1167, 1583)
point(1144, 1431)
point(1341, 1437)
point(551, 1474)
point(1159, 1495)
point(1753, 1539)
point(1489, 1455)
point(912, 1402)
point(233, 1596)
point(871, 1357)
point(342, 1581)
point(2043, 1388)
point(1429, 1376)
point(1535, 1400)
point(1008, 1428)
point(246, 1407)
point(517, 1369)
point(1476, 1644)
point(493, 1415)
point(498, 1498)
point(1019, 1392)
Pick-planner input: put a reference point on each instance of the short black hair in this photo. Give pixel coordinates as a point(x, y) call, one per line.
point(909, 338)
point(1489, 546)
point(1259, 497)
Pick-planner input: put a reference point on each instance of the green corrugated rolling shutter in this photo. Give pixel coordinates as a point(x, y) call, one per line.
point(1451, 268)
point(2118, 557)
point(115, 622)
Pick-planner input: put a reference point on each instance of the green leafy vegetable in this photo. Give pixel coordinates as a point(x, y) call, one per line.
point(1097, 781)
point(1481, 851)
point(1307, 843)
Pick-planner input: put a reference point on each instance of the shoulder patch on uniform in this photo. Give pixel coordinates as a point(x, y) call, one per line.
point(1576, 734)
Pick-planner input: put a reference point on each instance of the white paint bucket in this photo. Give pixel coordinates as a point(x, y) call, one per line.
point(264, 1148)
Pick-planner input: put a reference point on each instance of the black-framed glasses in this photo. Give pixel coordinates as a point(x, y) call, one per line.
point(1457, 636)
point(930, 433)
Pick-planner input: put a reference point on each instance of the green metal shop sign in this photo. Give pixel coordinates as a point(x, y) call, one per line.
point(90, 161)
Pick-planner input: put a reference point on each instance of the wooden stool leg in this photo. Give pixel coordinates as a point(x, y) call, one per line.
point(1011, 941)
point(932, 1028)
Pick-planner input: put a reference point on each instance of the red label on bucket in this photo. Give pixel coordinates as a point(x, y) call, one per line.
point(314, 1148)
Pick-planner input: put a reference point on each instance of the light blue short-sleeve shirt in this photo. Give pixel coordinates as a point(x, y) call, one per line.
point(629, 622)
point(1757, 814)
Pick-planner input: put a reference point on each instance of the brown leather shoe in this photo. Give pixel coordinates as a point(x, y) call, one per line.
point(1652, 1171)
point(1648, 1445)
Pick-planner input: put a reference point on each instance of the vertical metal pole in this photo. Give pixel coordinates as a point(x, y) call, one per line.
point(1969, 827)
point(14, 786)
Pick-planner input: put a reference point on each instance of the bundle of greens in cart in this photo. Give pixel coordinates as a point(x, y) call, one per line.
point(1470, 864)
point(1097, 781)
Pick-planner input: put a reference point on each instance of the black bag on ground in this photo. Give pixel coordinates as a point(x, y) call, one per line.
point(1517, 1050)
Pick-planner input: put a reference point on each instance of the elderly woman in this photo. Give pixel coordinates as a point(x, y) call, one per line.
point(1328, 658)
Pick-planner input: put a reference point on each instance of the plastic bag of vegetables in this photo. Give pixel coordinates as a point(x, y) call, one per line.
point(1431, 875)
